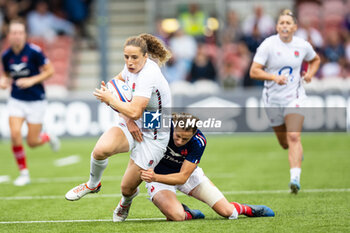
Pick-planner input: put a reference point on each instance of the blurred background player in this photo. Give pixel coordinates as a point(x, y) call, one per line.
point(278, 61)
point(26, 67)
point(178, 170)
point(150, 93)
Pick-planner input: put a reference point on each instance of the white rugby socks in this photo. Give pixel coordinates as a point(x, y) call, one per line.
point(295, 174)
point(127, 200)
point(96, 169)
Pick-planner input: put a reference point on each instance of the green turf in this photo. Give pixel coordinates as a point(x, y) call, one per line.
point(243, 162)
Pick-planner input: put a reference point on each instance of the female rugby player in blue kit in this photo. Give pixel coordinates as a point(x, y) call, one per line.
point(26, 67)
point(178, 170)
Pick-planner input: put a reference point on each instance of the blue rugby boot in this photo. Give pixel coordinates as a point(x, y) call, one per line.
point(261, 211)
point(196, 214)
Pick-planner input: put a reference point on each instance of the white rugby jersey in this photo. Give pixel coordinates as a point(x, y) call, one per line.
point(150, 83)
point(283, 58)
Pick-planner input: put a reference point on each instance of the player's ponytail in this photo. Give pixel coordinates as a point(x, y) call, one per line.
point(156, 49)
point(151, 45)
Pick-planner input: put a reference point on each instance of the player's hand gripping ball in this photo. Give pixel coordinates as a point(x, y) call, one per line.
point(120, 89)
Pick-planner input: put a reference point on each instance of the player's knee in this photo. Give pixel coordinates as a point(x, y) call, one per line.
point(100, 154)
point(293, 137)
point(16, 136)
point(284, 145)
point(31, 144)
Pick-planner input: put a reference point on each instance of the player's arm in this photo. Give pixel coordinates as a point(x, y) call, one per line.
point(133, 109)
point(133, 128)
point(314, 64)
point(172, 179)
point(257, 72)
point(47, 71)
point(119, 77)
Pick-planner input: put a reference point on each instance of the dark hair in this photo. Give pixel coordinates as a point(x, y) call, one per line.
point(289, 13)
point(151, 45)
point(189, 122)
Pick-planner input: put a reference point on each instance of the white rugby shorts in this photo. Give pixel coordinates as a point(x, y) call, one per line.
point(149, 152)
point(195, 179)
point(32, 111)
point(277, 112)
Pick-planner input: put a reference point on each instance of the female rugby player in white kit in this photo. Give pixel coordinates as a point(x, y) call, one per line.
point(150, 93)
point(278, 61)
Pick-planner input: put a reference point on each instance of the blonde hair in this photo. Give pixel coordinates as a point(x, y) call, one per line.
point(151, 45)
point(288, 13)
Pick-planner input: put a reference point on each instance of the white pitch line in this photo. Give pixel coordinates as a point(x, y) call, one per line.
point(82, 220)
point(179, 194)
point(104, 178)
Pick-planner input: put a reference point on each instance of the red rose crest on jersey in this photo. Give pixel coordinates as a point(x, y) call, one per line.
point(184, 152)
point(24, 59)
point(296, 53)
point(152, 189)
point(150, 163)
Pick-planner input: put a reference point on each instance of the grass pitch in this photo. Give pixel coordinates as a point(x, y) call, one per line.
point(248, 168)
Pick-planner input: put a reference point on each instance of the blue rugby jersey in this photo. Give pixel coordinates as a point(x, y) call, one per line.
point(175, 156)
point(25, 64)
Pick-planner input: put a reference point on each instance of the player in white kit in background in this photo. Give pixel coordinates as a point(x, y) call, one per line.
point(278, 62)
point(150, 93)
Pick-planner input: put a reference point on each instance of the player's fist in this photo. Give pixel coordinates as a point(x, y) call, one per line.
point(280, 79)
point(148, 175)
point(306, 77)
point(3, 82)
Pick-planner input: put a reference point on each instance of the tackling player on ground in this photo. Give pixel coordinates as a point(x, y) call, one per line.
point(178, 170)
point(278, 61)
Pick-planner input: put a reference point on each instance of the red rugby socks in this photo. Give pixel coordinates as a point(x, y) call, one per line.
point(20, 156)
point(243, 209)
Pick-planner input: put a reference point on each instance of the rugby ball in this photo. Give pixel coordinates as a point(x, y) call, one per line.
point(120, 89)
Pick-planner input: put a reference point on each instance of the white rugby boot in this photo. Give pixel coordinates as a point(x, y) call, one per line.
point(121, 212)
point(55, 142)
point(22, 180)
point(81, 190)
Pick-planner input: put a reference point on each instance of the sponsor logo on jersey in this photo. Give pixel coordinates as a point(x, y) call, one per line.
point(152, 120)
point(19, 70)
point(184, 152)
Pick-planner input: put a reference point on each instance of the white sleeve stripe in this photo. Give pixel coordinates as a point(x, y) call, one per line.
point(201, 140)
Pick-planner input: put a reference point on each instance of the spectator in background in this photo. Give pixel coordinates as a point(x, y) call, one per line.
point(259, 22)
point(193, 21)
point(232, 31)
point(334, 54)
point(43, 23)
point(183, 48)
point(202, 67)
point(78, 12)
point(310, 34)
point(235, 60)
point(11, 12)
